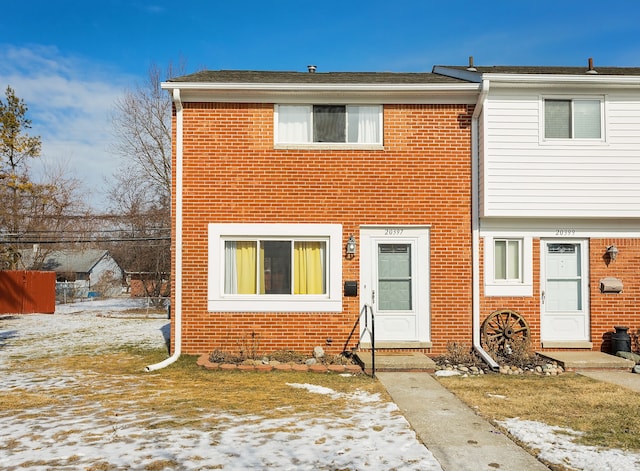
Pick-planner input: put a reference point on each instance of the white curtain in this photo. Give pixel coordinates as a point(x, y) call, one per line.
point(230, 268)
point(364, 124)
point(294, 124)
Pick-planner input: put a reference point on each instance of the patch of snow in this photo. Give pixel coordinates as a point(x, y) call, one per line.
point(445, 373)
point(368, 433)
point(556, 445)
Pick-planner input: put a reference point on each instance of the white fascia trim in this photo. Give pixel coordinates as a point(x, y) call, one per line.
point(292, 87)
point(327, 93)
point(554, 79)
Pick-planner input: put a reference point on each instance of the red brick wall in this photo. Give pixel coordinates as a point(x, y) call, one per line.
point(607, 310)
point(232, 173)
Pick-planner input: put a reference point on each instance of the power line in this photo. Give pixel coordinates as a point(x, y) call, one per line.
point(84, 241)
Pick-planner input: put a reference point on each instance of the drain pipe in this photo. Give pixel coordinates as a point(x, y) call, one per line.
point(177, 309)
point(475, 225)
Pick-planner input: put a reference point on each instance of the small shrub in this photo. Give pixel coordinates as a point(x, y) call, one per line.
point(459, 354)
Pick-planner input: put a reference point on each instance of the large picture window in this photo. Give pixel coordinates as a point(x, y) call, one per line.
point(572, 119)
point(275, 267)
point(329, 124)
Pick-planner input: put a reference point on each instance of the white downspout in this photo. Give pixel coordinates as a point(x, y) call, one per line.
point(177, 308)
point(475, 224)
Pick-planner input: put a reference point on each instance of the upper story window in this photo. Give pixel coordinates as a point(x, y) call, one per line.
point(329, 124)
point(573, 119)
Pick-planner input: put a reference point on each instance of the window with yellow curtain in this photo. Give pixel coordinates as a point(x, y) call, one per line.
point(309, 268)
point(272, 267)
point(240, 267)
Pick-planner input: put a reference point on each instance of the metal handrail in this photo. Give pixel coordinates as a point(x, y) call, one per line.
point(372, 333)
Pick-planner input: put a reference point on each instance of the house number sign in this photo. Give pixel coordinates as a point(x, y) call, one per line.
point(393, 231)
point(565, 232)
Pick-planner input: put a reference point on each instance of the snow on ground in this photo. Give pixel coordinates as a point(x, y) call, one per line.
point(373, 436)
point(368, 434)
point(556, 445)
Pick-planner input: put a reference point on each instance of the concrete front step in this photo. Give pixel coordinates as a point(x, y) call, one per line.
point(588, 360)
point(396, 361)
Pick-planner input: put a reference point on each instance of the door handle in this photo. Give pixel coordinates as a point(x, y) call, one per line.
point(542, 297)
point(373, 297)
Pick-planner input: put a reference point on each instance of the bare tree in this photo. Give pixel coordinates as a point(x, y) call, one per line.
point(142, 130)
point(141, 189)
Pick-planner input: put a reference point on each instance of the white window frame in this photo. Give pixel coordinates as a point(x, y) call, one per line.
point(509, 287)
point(328, 145)
point(573, 140)
point(218, 301)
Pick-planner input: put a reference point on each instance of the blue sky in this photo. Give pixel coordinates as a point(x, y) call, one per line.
point(70, 59)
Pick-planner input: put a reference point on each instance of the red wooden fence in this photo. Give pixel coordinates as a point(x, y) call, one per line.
point(27, 292)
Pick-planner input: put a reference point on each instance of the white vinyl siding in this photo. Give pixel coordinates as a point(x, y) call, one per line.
point(525, 176)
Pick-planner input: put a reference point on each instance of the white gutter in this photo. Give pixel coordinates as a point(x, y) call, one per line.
point(475, 225)
point(177, 308)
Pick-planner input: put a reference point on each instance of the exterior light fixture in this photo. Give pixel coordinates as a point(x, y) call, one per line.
point(612, 252)
point(351, 246)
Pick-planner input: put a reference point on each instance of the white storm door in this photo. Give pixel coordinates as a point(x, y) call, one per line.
point(564, 280)
point(395, 283)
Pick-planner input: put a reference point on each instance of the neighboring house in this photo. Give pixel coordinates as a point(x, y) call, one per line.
point(559, 199)
point(143, 284)
point(273, 174)
point(80, 272)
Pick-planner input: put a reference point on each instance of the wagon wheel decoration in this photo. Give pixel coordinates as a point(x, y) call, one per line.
point(503, 327)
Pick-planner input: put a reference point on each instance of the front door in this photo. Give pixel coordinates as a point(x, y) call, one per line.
point(564, 285)
point(394, 276)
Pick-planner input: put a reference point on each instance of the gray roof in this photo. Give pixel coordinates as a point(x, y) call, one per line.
point(255, 77)
point(539, 70)
point(68, 261)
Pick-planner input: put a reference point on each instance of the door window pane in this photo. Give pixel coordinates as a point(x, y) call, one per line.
point(394, 277)
point(564, 277)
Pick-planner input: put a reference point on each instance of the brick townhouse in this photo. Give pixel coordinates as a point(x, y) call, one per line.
point(303, 200)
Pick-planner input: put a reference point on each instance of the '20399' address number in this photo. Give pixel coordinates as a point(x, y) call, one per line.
point(565, 232)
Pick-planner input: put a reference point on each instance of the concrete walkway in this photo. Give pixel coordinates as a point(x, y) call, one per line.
point(458, 438)
point(621, 378)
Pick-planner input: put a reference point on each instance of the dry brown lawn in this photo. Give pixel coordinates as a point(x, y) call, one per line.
point(609, 415)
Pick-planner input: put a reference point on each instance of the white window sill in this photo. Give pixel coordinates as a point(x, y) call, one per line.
point(273, 305)
point(329, 145)
point(496, 290)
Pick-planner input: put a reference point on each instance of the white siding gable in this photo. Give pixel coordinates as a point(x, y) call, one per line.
point(525, 176)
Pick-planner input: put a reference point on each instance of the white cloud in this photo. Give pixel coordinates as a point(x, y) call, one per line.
point(69, 100)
